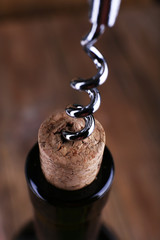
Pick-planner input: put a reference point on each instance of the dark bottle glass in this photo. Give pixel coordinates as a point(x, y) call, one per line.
point(68, 215)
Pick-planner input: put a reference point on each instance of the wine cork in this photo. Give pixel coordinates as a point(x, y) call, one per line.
point(69, 165)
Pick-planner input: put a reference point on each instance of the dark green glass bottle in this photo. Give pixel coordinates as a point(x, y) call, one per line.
point(67, 215)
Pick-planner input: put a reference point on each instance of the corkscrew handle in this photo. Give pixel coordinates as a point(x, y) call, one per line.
point(104, 12)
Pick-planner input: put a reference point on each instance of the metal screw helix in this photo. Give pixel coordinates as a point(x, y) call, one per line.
point(103, 12)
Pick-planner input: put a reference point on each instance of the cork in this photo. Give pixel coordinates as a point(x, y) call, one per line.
point(69, 165)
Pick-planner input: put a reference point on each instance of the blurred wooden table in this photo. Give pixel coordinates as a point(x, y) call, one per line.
point(38, 58)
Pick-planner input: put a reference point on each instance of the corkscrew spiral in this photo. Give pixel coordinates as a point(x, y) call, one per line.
point(103, 12)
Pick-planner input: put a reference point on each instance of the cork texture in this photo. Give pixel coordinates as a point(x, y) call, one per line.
point(69, 165)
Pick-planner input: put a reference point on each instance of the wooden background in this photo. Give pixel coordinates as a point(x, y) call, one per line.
point(38, 58)
point(10, 8)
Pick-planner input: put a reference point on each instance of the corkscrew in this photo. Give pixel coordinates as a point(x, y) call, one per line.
point(103, 13)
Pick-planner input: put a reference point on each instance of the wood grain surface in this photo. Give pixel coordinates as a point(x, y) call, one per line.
point(38, 58)
point(10, 8)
